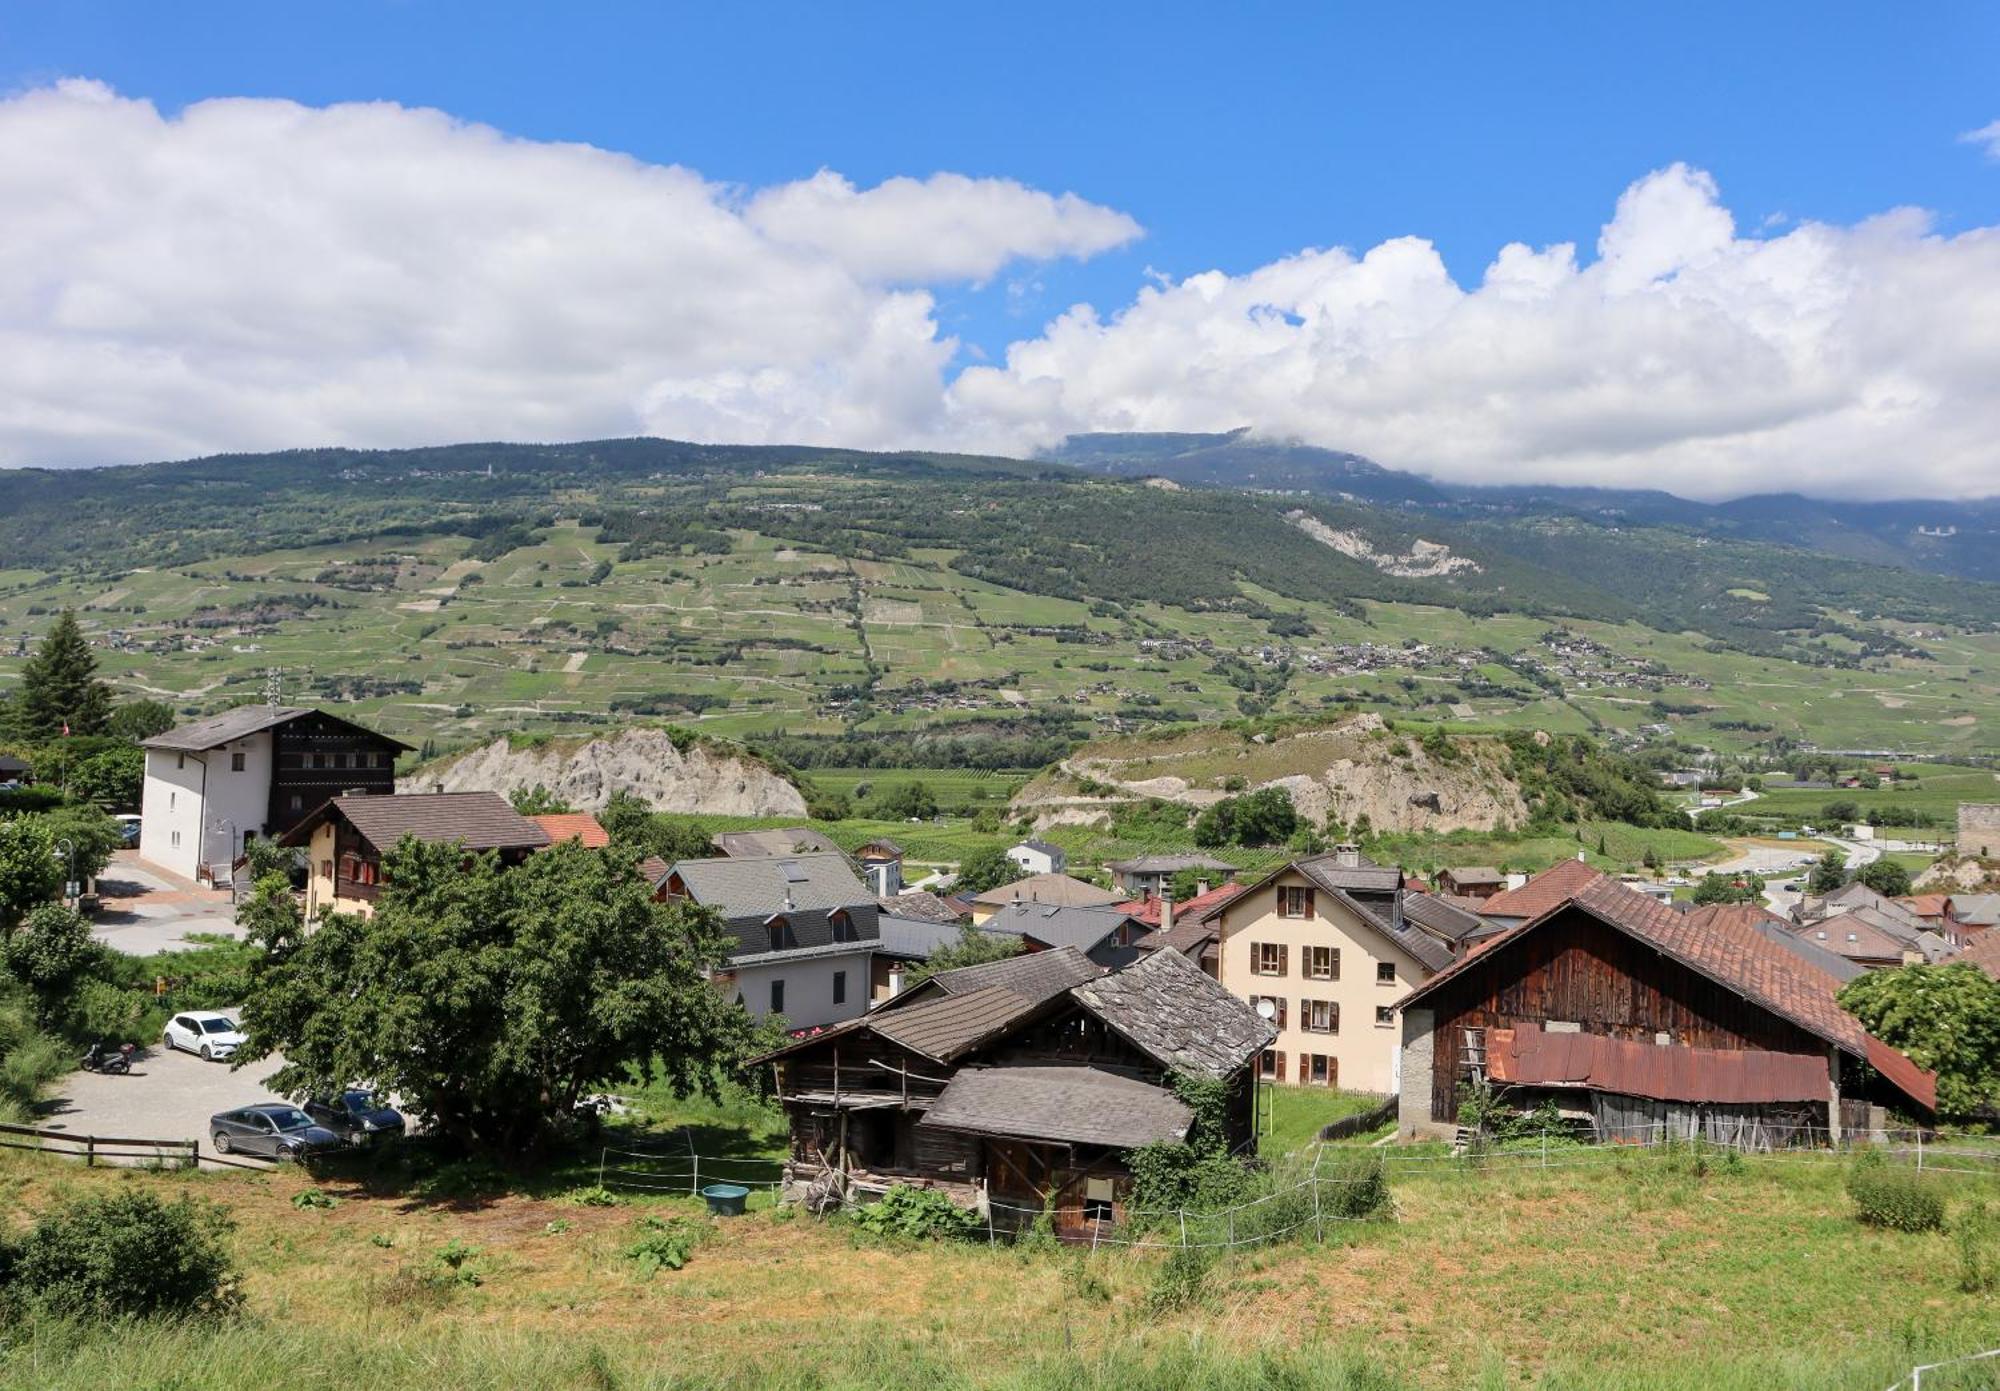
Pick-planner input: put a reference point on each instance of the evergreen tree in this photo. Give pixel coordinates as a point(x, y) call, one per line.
point(59, 686)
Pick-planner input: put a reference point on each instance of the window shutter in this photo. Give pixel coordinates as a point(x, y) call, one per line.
point(1281, 1067)
point(1333, 1016)
point(1336, 964)
point(1282, 1002)
point(1284, 960)
point(1308, 904)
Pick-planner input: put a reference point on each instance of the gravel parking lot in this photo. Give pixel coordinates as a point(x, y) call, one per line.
point(167, 1096)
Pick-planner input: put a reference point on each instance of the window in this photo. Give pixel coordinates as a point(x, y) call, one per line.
point(1277, 1007)
point(1319, 1016)
point(843, 927)
point(1295, 902)
point(1271, 1066)
point(177, 840)
point(1385, 1015)
point(319, 760)
point(172, 798)
point(1385, 973)
point(1267, 958)
point(236, 763)
point(1323, 963)
point(180, 761)
point(384, 760)
point(840, 987)
point(777, 997)
point(1097, 1200)
point(326, 869)
point(782, 937)
point(298, 802)
point(1319, 1069)
point(340, 760)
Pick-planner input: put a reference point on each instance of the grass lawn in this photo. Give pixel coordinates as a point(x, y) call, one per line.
point(1629, 1273)
point(1298, 1113)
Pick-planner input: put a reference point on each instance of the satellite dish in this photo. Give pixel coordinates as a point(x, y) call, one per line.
point(1266, 1010)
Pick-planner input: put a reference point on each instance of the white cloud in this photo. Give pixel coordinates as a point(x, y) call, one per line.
point(257, 274)
point(946, 227)
point(1987, 136)
point(1851, 361)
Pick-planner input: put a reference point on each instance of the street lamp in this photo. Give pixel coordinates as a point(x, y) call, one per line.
point(66, 851)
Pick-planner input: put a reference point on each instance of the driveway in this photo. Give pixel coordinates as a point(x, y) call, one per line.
point(146, 910)
point(167, 1096)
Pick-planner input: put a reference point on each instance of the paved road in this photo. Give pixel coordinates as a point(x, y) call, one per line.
point(167, 1096)
point(146, 911)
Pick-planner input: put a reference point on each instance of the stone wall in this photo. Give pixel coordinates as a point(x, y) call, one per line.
point(1979, 829)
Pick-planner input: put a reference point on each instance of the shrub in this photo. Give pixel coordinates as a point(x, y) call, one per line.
point(664, 1245)
point(1974, 1236)
point(597, 1195)
point(1181, 1282)
point(918, 1213)
point(1167, 1176)
point(124, 1253)
point(1353, 1187)
point(1888, 1195)
point(312, 1198)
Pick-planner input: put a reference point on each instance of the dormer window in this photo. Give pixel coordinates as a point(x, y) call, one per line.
point(842, 925)
point(782, 936)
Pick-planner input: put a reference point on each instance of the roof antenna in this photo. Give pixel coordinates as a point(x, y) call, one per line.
point(274, 686)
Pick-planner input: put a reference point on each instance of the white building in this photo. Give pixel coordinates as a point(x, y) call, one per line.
point(248, 772)
point(1039, 857)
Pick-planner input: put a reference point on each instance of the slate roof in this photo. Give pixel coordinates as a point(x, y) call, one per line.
point(1055, 926)
point(1734, 956)
point(573, 825)
point(786, 840)
point(1040, 845)
point(1439, 918)
point(950, 1026)
point(1475, 874)
point(480, 820)
point(921, 905)
point(1165, 1006)
point(914, 939)
point(1365, 876)
point(815, 952)
point(1064, 1105)
point(1057, 889)
point(1976, 910)
point(1170, 864)
point(241, 723)
point(1564, 879)
point(1037, 975)
point(805, 890)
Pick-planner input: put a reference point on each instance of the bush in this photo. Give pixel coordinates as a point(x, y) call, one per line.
point(1181, 1282)
point(123, 1253)
point(1888, 1195)
point(1355, 1187)
point(1167, 1176)
point(665, 1245)
point(918, 1213)
point(1974, 1236)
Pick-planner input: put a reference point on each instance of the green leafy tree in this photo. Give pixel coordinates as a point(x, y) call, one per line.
point(59, 686)
point(1729, 888)
point(30, 873)
point(263, 858)
point(635, 828)
point(133, 720)
point(1885, 877)
point(974, 947)
point(1829, 872)
point(538, 801)
point(1947, 1018)
point(50, 953)
point(113, 778)
point(986, 868)
point(92, 838)
point(1263, 817)
point(492, 999)
point(908, 801)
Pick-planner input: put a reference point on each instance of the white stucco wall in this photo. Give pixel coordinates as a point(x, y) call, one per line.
point(808, 988)
point(195, 808)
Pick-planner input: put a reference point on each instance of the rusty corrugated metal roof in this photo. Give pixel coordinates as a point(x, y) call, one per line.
point(1527, 1056)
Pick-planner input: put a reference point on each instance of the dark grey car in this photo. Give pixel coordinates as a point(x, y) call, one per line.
point(356, 1117)
point(274, 1130)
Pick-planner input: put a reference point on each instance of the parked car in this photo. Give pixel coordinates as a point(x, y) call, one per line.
point(356, 1116)
point(275, 1130)
point(128, 830)
point(213, 1035)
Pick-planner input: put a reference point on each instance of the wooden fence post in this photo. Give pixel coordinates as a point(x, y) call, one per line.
point(90, 1151)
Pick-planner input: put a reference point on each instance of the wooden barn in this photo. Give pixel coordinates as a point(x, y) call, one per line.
point(1643, 1020)
point(1017, 1084)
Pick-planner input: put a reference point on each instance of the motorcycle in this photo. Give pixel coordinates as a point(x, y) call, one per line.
point(99, 1059)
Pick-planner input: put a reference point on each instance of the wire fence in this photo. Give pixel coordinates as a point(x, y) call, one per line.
point(669, 1170)
point(1916, 1379)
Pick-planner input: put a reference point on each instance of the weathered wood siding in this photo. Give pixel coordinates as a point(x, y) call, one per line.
point(1578, 970)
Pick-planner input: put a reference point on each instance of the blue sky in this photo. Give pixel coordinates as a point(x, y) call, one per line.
point(1235, 136)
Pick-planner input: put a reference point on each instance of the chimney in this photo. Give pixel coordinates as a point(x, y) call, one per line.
point(895, 980)
point(1200, 888)
point(1166, 909)
point(437, 789)
point(1347, 856)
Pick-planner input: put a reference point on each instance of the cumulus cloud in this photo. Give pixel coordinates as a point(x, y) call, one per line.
point(943, 228)
point(1986, 137)
point(258, 274)
point(254, 274)
point(1852, 361)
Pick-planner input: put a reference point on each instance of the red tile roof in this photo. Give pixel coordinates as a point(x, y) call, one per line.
point(1984, 953)
point(1560, 882)
point(1147, 910)
point(574, 825)
point(1926, 905)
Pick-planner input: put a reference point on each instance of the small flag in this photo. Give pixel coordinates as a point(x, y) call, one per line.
point(65, 729)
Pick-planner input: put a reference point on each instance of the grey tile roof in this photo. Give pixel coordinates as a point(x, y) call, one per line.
point(478, 820)
point(1164, 1005)
point(1049, 888)
point(1041, 845)
point(950, 1026)
point(1065, 1105)
point(1386, 917)
point(786, 840)
point(1037, 975)
point(240, 723)
point(1439, 917)
point(1365, 877)
point(1170, 864)
point(1054, 926)
point(914, 939)
point(1976, 910)
point(921, 905)
point(812, 953)
point(767, 884)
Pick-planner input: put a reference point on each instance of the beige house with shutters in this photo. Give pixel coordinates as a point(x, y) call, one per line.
point(1325, 941)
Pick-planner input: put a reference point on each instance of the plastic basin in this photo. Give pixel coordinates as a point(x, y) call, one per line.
point(725, 1199)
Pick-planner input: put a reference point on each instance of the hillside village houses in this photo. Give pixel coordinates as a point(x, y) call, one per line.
point(1038, 857)
point(346, 838)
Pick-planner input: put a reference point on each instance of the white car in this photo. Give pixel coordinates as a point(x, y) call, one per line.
point(213, 1035)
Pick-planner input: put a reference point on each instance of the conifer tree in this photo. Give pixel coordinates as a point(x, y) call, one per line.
point(59, 686)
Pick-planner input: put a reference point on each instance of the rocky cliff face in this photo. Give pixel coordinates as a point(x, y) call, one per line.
point(702, 777)
point(1342, 770)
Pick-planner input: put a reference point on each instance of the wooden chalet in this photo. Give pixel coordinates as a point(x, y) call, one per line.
point(1638, 1019)
point(1017, 1084)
